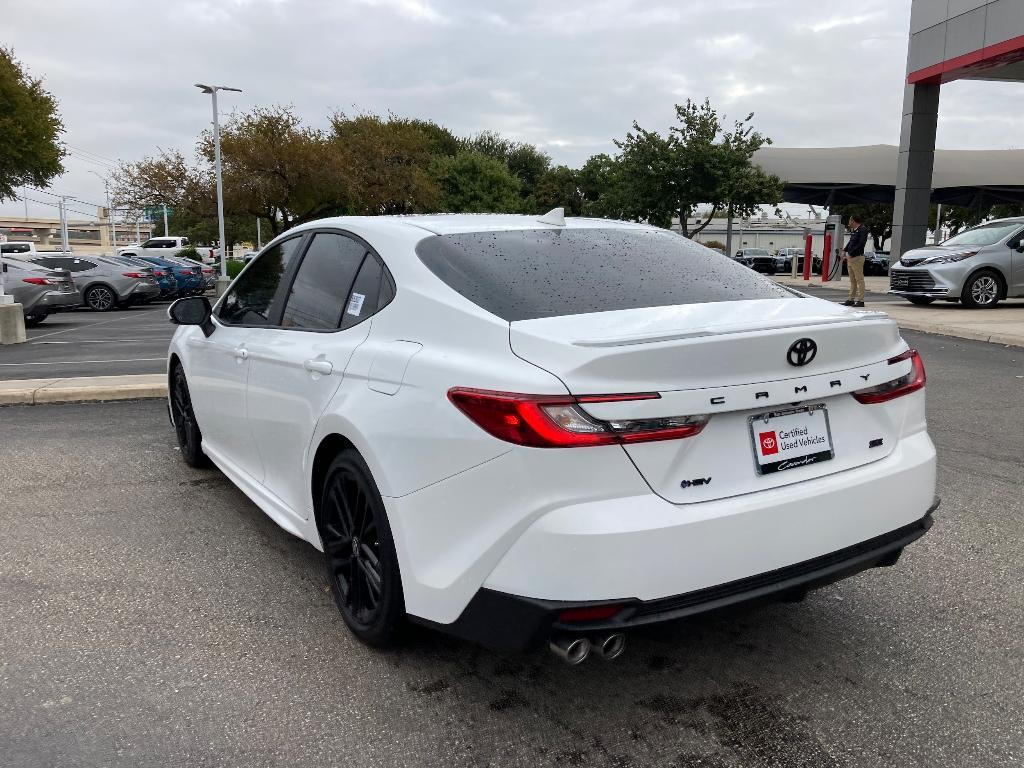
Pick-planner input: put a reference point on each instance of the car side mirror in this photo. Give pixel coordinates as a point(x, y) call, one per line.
point(193, 310)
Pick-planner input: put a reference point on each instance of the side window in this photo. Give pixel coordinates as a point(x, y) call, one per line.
point(248, 302)
point(77, 265)
point(50, 263)
point(150, 244)
point(363, 300)
point(320, 291)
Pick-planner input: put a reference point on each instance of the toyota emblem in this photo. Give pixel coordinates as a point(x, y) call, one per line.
point(801, 352)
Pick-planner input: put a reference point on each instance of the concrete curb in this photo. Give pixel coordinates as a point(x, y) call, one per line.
point(82, 389)
point(991, 327)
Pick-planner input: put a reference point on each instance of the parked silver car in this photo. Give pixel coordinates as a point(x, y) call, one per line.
point(41, 292)
point(104, 283)
point(978, 267)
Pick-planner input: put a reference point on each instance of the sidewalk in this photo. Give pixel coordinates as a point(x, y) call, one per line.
point(82, 389)
point(1002, 325)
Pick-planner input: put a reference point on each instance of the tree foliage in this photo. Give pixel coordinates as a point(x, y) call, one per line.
point(476, 183)
point(701, 161)
point(284, 173)
point(30, 129)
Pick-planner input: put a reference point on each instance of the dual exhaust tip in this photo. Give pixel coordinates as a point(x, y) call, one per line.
point(573, 649)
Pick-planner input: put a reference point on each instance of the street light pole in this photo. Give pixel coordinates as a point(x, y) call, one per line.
point(223, 281)
point(110, 213)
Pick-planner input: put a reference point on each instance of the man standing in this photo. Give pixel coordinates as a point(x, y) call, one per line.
point(853, 255)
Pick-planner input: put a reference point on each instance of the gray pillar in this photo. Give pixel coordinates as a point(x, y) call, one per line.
point(914, 168)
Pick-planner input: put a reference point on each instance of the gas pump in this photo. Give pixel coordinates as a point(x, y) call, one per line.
point(831, 260)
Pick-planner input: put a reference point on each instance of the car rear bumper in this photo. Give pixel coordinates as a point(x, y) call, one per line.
point(526, 531)
point(56, 301)
point(508, 622)
point(142, 291)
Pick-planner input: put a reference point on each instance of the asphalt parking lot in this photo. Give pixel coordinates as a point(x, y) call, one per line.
point(85, 343)
point(153, 616)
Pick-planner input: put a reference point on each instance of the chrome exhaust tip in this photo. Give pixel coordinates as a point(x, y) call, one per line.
point(610, 646)
point(571, 650)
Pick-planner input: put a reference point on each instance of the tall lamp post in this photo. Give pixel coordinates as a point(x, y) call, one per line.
point(222, 281)
point(110, 213)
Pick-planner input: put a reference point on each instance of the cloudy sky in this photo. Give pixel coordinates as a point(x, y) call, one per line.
point(568, 76)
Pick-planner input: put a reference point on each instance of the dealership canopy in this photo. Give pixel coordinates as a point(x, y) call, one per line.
point(840, 175)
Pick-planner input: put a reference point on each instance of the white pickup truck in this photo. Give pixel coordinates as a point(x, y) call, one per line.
point(15, 247)
point(162, 246)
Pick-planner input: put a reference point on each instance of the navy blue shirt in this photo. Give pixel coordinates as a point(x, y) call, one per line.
point(858, 240)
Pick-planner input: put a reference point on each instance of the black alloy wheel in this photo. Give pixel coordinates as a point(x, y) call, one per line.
point(190, 438)
point(100, 298)
point(359, 552)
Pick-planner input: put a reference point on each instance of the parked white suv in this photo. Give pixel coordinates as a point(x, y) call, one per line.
point(526, 432)
point(156, 246)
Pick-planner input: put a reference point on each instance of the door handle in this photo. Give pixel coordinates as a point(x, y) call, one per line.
point(319, 366)
point(242, 353)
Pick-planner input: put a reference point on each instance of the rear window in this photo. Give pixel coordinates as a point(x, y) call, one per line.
point(526, 274)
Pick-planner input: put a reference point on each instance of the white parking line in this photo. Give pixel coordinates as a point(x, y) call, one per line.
point(78, 362)
point(80, 327)
point(101, 341)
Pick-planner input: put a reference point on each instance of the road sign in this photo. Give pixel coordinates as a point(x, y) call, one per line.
point(152, 213)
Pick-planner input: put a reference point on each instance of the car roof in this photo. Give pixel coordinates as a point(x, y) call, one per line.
point(454, 223)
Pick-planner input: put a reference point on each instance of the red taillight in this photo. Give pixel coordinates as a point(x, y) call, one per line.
point(158, 273)
point(558, 421)
point(134, 274)
point(39, 280)
point(589, 613)
point(904, 385)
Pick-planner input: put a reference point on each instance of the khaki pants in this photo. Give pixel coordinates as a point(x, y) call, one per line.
point(855, 266)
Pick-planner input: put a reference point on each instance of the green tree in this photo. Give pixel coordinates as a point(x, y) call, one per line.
point(699, 162)
point(472, 182)
point(386, 163)
point(598, 183)
point(30, 129)
point(524, 161)
point(958, 218)
point(559, 188)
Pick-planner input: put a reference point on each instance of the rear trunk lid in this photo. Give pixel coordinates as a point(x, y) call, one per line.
point(732, 360)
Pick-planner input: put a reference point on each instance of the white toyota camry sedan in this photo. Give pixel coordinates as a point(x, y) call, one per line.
point(531, 432)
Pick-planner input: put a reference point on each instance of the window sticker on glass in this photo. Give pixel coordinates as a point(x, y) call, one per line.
point(355, 304)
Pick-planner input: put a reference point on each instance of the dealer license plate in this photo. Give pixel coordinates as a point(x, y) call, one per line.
point(790, 439)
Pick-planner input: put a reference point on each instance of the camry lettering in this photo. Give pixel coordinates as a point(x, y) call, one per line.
point(759, 395)
point(865, 376)
point(800, 389)
point(835, 383)
point(717, 400)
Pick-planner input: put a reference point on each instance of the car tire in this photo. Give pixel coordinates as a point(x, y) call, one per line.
point(920, 300)
point(359, 552)
point(982, 290)
point(190, 437)
point(100, 298)
point(34, 319)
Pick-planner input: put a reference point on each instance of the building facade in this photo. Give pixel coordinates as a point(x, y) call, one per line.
point(949, 40)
